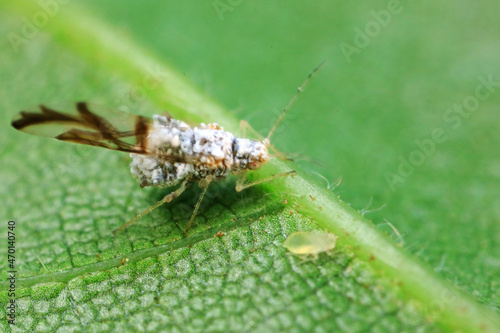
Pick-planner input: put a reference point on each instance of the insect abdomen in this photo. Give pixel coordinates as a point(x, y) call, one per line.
point(201, 152)
point(150, 171)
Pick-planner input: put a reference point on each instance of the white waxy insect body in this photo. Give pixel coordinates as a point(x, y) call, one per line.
point(310, 243)
point(211, 152)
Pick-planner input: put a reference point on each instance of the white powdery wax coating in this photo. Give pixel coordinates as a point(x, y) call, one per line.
point(244, 146)
point(208, 146)
point(159, 173)
point(214, 143)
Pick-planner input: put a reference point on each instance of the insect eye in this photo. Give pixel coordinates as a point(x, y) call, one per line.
point(254, 165)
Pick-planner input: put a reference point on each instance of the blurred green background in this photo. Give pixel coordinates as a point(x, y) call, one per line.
point(357, 118)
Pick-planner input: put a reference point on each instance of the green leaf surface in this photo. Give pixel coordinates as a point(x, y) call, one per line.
point(360, 116)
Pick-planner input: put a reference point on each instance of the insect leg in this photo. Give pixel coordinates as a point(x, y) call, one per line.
point(204, 184)
point(169, 197)
point(244, 126)
point(240, 183)
point(167, 114)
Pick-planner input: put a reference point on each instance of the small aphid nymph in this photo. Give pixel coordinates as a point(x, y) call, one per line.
point(310, 243)
point(165, 152)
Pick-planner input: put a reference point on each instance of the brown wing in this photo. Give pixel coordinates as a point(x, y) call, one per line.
point(109, 129)
point(117, 131)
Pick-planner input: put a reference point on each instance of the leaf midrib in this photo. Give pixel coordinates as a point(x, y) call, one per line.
point(127, 59)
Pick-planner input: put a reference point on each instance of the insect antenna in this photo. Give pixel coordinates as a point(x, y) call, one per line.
point(267, 140)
